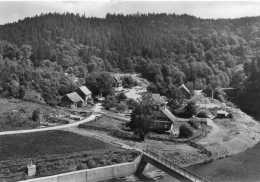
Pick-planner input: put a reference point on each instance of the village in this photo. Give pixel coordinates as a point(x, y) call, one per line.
point(201, 130)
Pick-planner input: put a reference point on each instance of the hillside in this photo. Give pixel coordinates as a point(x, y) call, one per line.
point(167, 49)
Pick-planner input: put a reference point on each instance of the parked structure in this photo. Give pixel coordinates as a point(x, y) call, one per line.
point(117, 80)
point(84, 93)
point(72, 100)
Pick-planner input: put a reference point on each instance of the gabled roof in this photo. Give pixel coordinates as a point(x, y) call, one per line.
point(74, 97)
point(185, 88)
point(85, 90)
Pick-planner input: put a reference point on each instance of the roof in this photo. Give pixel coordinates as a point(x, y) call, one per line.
point(185, 88)
point(222, 112)
point(85, 90)
point(158, 99)
point(74, 97)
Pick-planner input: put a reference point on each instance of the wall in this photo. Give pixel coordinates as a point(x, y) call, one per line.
point(92, 175)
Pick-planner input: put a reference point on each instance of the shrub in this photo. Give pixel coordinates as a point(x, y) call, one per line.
point(121, 107)
point(121, 96)
point(131, 103)
point(185, 132)
point(128, 82)
point(36, 115)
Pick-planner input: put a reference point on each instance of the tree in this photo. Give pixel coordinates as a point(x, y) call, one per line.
point(36, 115)
point(142, 116)
point(100, 83)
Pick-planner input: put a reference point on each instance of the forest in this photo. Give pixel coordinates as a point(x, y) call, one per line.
point(39, 53)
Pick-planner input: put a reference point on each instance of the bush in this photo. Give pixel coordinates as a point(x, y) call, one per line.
point(121, 107)
point(121, 96)
point(128, 82)
point(185, 132)
point(110, 102)
point(36, 115)
point(131, 103)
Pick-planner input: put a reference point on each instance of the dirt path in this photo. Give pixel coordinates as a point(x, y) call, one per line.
point(95, 109)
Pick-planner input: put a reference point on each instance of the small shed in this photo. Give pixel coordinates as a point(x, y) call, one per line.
point(185, 91)
point(84, 93)
point(72, 100)
point(223, 114)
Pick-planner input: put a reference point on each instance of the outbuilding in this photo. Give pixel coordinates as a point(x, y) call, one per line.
point(84, 93)
point(185, 91)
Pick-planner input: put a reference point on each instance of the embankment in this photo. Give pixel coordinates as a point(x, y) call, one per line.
point(92, 175)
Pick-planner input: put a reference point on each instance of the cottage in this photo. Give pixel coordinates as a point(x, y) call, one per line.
point(185, 91)
point(84, 93)
point(72, 100)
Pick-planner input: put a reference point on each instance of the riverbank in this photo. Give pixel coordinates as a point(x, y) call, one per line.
point(226, 137)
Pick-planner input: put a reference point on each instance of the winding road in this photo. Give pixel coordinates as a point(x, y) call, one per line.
point(95, 114)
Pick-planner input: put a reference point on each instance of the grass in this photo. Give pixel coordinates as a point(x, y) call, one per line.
point(23, 110)
point(104, 123)
point(46, 143)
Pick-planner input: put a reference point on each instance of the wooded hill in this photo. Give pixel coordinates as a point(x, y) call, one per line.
point(167, 49)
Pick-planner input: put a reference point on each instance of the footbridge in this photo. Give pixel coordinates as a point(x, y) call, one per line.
point(168, 166)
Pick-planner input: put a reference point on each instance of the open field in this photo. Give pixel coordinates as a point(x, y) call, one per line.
point(17, 114)
point(46, 143)
point(56, 152)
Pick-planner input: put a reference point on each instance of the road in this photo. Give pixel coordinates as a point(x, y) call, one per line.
point(95, 109)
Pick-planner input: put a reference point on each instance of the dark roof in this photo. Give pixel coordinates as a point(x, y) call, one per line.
point(85, 90)
point(74, 97)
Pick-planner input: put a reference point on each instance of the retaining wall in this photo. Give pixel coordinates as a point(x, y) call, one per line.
point(92, 175)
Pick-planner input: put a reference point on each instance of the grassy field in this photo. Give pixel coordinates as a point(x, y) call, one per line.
point(17, 114)
point(46, 143)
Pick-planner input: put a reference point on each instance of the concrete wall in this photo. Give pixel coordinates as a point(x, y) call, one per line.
point(92, 175)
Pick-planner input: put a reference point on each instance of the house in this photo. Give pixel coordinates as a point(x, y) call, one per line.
point(185, 91)
point(72, 100)
point(158, 101)
point(84, 93)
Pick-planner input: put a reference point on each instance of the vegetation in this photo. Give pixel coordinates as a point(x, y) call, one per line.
point(56, 152)
point(248, 97)
point(128, 82)
point(142, 116)
point(168, 50)
point(49, 142)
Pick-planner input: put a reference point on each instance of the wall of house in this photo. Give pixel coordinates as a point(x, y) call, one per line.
point(92, 175)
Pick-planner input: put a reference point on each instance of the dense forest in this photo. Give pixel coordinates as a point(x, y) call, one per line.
point(40, 52)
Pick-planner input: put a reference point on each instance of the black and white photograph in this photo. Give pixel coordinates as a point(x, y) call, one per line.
point(129, 91)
